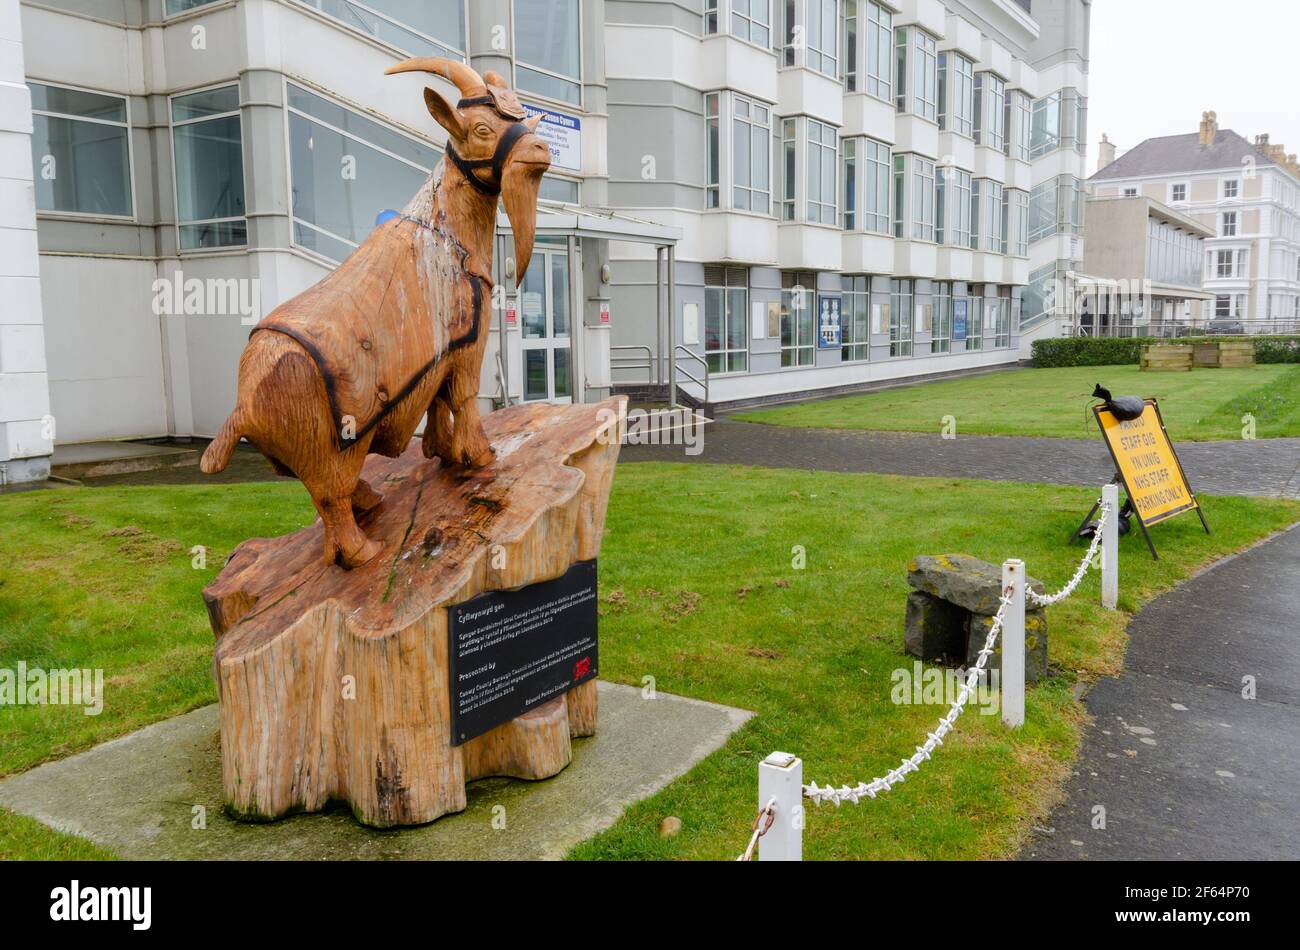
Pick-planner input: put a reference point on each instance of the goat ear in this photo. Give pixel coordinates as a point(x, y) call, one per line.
point(533, 122)
point(445, 114)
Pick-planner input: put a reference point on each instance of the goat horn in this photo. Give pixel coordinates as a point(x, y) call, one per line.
point(469, 82)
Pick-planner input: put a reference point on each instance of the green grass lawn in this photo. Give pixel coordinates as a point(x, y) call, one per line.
point(1201, 405)
point(697, 591)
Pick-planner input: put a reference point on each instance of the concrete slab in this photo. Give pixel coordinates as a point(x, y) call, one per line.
point(137, 795)
point(96, 459)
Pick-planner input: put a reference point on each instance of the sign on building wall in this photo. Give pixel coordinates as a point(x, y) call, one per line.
point(563, 133)
point(828, 321)
point(960, 310)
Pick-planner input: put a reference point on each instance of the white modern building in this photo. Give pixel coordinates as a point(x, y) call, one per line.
point(837, 192)
point(1247, 195)
point(864, 188)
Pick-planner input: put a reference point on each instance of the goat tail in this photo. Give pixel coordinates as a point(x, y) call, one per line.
point(217, 455)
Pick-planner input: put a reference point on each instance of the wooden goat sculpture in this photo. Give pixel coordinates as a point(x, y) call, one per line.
point(397, 332)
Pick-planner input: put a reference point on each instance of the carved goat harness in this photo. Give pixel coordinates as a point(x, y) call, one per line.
point(371, 358)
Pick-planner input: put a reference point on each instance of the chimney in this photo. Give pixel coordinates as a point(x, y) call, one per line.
point(1209, 127)
point(1105, 152)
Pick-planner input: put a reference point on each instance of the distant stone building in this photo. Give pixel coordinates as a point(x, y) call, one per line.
point(1247, 194)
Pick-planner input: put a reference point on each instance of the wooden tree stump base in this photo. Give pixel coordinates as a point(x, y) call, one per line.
point(334, 683)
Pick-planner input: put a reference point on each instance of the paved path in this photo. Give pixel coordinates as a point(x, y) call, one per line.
point(1261, 467)
point(1185, 767)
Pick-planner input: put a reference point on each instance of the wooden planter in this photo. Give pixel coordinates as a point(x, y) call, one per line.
point(1206, 355)
point(1176, 358)
point(1224, 353)
point(1236, 353)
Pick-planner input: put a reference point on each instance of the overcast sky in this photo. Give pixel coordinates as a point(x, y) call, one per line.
point(1158, 64)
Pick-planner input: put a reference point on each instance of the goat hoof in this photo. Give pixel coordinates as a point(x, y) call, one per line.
point(362, 555)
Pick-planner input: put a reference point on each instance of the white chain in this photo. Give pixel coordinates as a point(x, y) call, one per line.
point(934, 739)
point(1039, 600)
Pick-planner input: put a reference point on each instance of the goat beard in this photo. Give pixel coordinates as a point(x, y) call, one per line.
point(520, 186)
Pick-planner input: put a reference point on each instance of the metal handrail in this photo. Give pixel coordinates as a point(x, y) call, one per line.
point(648, 365)
point(704, 383)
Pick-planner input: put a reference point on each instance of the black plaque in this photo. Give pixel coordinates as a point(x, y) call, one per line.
point(511, 651)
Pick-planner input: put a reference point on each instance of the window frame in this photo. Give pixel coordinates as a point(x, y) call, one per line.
point(799, 348)
point(901, 318)
point(441, 48)
point(950, 119)
point(130, 150)
point(853, 350)
point(1229, 224)
point(516, 62)
point(288, 157)
point(726, 351)
point(941, 323)
point(990, 111)
point(1173, 198)
point(243, 171)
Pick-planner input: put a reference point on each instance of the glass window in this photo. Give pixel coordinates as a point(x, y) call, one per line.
point(561, 190)
point(922, 199)
point(900, 317)
point(80, 151)
point(855, 325)
point(1228, 224)
point(822, 141)
point(990, 112)
point(208, 149)
point(1002, 320)
point(789, 152)
point(880, 58)
point(850, 33)
point(1017, 222)
point(751, 155)
point(174, 7)
point(1178, 193)
point(1019, 123)
point(956, 93)
point(849, 183)
point(726, 340)
point(976, 211)
point(712, 151)
point(941, 328)
point(751, 20)
point(344, 170)
point(991, 218)
point(798, 297)
point(710, 17)
point(953, 206)
point(875, 190)
point(975, 319)
point(548, 48)
point(923, 75)
point(1231, 188)
point(420, 27)
point(820, 36)
point(1045, 133)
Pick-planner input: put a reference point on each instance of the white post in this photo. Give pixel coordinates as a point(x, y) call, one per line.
point(1110, 548)
point(1013, 645)
point(780, 776)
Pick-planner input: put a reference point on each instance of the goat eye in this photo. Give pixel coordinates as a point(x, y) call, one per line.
point(483, 130)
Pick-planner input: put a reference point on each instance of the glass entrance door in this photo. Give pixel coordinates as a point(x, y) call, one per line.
point(546, 324)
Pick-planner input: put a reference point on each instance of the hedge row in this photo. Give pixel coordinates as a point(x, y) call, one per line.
point(1116, 351)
